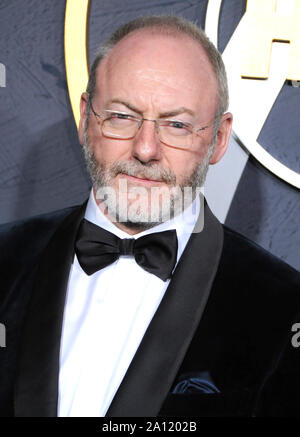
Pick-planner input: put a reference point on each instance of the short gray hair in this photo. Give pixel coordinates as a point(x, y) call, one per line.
point(167, 25)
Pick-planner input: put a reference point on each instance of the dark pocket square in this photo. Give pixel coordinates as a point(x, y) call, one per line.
point(199, 383)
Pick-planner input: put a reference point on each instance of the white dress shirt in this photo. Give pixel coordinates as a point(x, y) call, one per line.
point(105, 318)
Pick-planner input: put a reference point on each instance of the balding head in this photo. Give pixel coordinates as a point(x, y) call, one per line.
point(167, 25)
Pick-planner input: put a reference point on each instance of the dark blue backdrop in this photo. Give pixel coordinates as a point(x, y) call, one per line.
point(41, 165)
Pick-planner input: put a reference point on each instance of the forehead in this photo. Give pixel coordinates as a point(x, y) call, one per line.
point(156, 69)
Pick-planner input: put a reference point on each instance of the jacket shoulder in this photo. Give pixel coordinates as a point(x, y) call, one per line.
point(247, 266)
point(22, 243)
point(37, 229)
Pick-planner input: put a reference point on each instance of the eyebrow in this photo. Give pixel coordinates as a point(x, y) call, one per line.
point(180, 110)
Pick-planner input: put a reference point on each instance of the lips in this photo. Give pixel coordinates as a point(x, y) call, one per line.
point(141, 178)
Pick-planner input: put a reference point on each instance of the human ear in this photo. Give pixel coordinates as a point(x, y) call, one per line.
point(83, 103)
point(223, 135)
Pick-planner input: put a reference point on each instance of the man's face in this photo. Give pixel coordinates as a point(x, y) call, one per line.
point(152, 76)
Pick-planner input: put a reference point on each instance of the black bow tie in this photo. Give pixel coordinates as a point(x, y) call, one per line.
point(96, 248)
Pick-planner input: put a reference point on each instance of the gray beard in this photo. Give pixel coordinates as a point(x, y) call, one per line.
point(177, 198)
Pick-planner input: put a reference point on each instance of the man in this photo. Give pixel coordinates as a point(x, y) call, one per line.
point(139, 302)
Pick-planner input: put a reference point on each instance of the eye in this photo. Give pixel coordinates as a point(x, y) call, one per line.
point(119, 120)
point(177, 124)
point(176, 128)
point(120, 116)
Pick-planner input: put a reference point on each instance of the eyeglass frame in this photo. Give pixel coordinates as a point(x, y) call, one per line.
point(192, 129)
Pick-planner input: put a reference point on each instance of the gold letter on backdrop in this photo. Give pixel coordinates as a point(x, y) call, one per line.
point(266, 24)
point(76, 51)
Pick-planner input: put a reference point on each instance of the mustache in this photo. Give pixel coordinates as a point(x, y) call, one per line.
point(150, 171)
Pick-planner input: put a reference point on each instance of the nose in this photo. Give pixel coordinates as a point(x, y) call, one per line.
point(146, 144)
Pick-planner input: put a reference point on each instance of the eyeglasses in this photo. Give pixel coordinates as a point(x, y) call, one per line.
point(123, 126)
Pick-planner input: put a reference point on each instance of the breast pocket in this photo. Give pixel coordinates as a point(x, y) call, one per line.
point(237, 403)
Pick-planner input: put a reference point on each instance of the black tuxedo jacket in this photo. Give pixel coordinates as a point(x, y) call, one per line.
point(226, 318)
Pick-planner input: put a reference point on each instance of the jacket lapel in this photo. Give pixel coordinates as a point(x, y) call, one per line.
point(36, 389)
point(162, 350)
